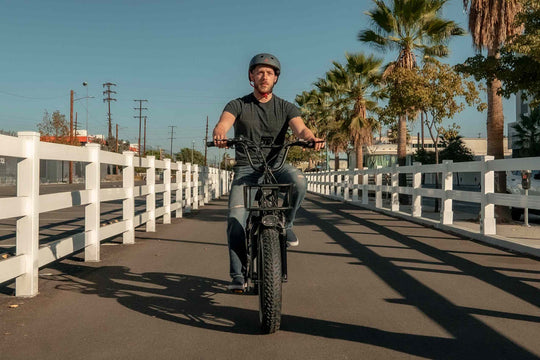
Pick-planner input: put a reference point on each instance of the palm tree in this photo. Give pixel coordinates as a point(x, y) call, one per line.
point(334, 111)
point(528, 134)
point(491, 22)
point(409, 26)
point(353, 81)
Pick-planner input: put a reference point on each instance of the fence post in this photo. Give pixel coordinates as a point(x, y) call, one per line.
point(355, 185)
point(487, 210)
point(395, 188)
point(195, 187)
point(378, 189)
point(337, 183)
point(417, 185)
point(92, 211)
point(128, 205)
point(179, 189)
point(167, 193)
point(365, 183)
point(27, 236)
point(447, 216)
point(327, 183)
point(347, 179)
point(205, 171)
point(151, 196)
point(214, 181)
point(189, 199)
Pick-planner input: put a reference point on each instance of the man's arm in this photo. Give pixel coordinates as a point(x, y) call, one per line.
point(226, 121)
point(301, 131)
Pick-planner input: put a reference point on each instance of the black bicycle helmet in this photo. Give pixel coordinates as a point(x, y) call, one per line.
point(265, 59)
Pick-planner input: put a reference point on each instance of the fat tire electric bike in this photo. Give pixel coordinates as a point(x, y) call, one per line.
point(266, 242)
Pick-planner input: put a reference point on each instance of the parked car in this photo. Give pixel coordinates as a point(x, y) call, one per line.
point(513, 186)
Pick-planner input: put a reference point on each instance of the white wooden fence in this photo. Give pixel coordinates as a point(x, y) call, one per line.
point(356, 185)
point(194, 187)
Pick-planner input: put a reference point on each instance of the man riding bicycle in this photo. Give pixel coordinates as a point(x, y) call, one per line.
point(256, 116)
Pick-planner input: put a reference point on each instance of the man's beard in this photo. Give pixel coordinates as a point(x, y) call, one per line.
point(269, 91)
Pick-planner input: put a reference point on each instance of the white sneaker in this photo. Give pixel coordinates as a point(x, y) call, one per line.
point(292, 240)
point(237, 288)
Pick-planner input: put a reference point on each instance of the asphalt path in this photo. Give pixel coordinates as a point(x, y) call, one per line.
point(362, 286)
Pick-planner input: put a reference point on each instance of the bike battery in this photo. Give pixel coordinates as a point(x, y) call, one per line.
point(267, 196)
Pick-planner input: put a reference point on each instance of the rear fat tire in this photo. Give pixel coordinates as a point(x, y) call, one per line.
point(269, 273)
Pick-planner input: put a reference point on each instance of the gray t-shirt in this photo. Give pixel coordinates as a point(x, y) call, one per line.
point(255, 120)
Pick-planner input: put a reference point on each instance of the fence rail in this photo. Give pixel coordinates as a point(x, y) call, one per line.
point(193, 187)
point(356, 186)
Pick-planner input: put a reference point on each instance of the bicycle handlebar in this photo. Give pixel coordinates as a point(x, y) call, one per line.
point(239, 141)
point(246, 144)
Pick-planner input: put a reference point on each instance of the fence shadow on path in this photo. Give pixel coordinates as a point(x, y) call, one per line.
point(473, 338)
point(189, 300)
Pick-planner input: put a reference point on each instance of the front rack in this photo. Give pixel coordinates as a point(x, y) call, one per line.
point(252, 194)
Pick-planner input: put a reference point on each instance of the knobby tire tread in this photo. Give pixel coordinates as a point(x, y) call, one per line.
point(270, 285)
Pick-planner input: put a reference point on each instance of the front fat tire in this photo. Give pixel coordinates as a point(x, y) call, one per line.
point(269, 264)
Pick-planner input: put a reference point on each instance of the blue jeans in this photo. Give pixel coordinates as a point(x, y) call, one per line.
point(237, 216)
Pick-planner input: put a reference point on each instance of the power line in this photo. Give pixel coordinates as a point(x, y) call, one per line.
point(29, 97)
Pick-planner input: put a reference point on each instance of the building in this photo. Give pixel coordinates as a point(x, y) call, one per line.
point(522, 108)
point(384, 153)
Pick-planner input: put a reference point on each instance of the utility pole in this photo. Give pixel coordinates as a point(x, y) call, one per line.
point(192, 148)
point(108, 99)
point(117, 169)
point(172, 134)
point(205, 142)
point(71, 134)
point(144, 146)
point(140, 108)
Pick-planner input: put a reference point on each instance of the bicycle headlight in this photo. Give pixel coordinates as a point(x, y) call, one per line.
point(270, 220)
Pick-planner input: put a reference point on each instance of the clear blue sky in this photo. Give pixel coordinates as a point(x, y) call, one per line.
point(188, 58)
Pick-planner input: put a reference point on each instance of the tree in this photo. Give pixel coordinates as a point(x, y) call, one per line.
point(393, 134)
point(352, 82)
point(528, 42)
point(491, 22)
point(409, 26)
point(441, 88)
point(159, 154)
point(54, 128)
point(315, 112)
point(528, 134)
point(423, 156)
point(185, 156)
point(8, 132)
point(453, 147)
point(519, 60)
point(332, 109)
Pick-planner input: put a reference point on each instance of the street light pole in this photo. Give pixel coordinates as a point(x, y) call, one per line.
point(85, 84)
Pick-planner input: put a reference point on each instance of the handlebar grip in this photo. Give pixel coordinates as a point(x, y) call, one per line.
point(229, 143)
point(310, 144)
